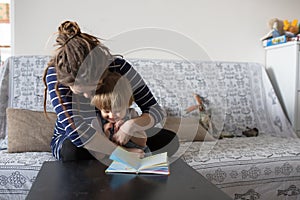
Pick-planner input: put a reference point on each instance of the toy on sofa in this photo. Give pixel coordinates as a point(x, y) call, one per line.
point(276, 29)
point(205, 119)
point(291, 28)
point(205, 114)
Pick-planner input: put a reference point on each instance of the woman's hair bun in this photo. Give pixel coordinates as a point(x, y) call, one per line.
point(69, 28)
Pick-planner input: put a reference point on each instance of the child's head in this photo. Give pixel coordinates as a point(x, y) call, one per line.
point(113, 96)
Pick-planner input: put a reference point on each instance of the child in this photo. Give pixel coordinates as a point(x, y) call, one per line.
point(113, 97)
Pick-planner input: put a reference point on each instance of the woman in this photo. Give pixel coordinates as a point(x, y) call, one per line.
point(71, 78)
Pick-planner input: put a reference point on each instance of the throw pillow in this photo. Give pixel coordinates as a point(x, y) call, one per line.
point(188, 129)
point(29, 130)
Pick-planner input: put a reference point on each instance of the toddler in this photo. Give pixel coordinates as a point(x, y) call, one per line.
point(113, 98)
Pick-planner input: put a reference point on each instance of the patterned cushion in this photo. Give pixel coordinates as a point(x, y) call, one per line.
point(240, 94)
point(4, 80)
point(26, 84)
point(21, 78)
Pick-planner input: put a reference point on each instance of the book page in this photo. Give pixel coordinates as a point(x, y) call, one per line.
point(125, 157)
point(155, 160)
point(120, 167)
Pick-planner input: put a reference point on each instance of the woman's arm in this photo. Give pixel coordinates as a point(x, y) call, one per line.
point(152, 111)
point(142, 95)
point(82, 135)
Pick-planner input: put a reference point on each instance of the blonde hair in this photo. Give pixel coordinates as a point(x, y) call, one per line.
point(113, 92)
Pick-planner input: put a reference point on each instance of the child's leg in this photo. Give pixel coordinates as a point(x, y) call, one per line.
point(162, 140)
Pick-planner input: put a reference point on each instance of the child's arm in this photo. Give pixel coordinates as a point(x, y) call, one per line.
point(139, 138)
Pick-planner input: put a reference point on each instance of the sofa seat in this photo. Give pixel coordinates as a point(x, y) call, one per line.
point(263, 167)
point(18, 171)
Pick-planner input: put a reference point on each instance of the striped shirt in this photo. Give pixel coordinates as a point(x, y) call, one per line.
point(82, 113)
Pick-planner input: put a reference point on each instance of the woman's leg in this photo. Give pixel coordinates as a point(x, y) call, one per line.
point(162, 140)
point(69, 152)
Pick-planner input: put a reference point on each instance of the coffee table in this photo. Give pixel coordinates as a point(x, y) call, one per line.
point(87, 180)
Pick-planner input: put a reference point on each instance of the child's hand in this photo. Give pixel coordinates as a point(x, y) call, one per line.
point(118, 124)
point(121, 138)
point(107, 128)
point(123, 135)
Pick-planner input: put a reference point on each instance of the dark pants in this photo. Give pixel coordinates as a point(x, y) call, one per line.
point(159, 140)
point(162, 140)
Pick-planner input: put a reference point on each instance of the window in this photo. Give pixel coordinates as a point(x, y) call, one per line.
point(5, 30)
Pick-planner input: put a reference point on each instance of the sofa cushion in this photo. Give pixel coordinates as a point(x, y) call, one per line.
point(239, 94)
point(188, 129)
point(21, 86)
point(29, 130)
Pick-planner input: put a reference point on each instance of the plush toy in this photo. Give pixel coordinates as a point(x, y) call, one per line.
point(292, 28)
point(276, 29)
point(205, 115)
point(205, 119)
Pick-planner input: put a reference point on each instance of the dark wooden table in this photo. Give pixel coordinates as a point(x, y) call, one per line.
point(86, 180)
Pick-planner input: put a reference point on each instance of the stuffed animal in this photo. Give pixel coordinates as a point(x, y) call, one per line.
point(292, 28)
point(202, 105)
point(276, 29)
point(205, 115)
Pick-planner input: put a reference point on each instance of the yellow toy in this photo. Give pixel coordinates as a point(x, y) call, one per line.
point(292, 27)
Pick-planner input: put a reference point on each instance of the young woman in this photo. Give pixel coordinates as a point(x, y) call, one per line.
point(71, 78)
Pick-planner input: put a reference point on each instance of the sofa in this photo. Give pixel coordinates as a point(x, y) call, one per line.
point(240, 97)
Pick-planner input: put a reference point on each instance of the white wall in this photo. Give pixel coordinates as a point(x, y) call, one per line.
point(227, 30)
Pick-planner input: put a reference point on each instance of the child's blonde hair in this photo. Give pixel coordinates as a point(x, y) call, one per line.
point(113, 92)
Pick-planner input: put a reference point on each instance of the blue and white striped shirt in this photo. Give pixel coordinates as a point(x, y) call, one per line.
point(82, 113)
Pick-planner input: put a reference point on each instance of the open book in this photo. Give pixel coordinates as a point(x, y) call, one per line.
point(126, 162)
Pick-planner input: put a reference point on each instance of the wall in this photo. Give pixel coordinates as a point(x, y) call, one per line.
point(228, 30)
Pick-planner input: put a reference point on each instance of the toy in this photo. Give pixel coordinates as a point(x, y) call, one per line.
point(206, 121)
point(250, 132)
point(276, 27)
point(291, 29)
point(205, 115)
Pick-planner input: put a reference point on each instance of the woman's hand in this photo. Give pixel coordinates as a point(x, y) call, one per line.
point(122, 136)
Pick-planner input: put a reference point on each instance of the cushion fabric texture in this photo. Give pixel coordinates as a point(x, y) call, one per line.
point(29, 130)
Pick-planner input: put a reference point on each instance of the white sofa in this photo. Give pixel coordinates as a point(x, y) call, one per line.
point(241, 96)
